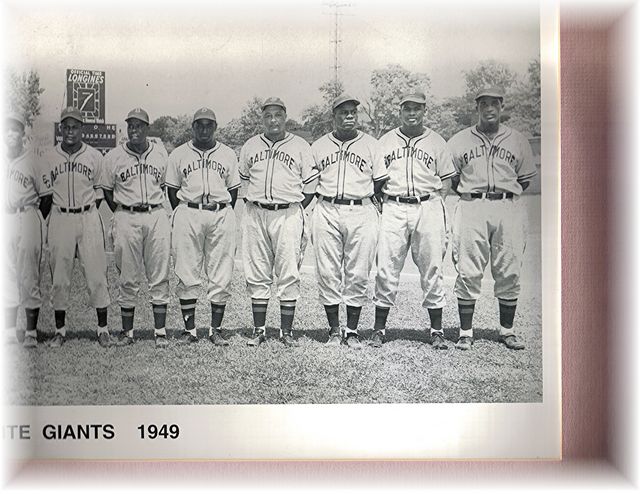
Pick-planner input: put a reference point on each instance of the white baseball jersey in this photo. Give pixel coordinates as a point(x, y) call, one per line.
point(136, 179)
point(496, 165)
point(72, 177)
point(203, 176)
point(348, 169)
point(416, 165)
point(23, 186)
point(277, 172)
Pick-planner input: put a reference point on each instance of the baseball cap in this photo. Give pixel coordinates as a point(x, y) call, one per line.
point(138, 113)
point(414, 97)
point(343, 98)
point(204, 113)
point(493, 91)
point(71, 112)
point(273, 101)
point(16, 117)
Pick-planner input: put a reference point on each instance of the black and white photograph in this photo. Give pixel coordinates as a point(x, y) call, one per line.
point(213, 208)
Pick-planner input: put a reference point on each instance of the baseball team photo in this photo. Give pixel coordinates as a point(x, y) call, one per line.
point(340, 205)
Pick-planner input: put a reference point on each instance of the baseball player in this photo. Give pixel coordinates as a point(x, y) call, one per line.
point(495, 165)
point(420, 169)
point(345, 220)
point(280, 178)
point(203, 182)
point(134, 190)
point(71, 172)
point(25, 228)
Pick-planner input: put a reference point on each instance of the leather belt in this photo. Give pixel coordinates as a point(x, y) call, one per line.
point(343, 202)
point(75, 210)
point(272, 207)
point(146, 208)
point(207, 207)
point(491, 195)
point(408, 200)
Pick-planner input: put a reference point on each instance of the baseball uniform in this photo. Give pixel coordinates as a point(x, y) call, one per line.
point(345, 221)
point(414, 214)
point(489, 221)
point(141, 231)
point(204, 224)
point(26, 229)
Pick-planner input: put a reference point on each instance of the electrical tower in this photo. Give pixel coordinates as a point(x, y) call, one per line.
point(336, 36)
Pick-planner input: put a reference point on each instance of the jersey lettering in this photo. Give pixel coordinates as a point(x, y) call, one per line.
point(207, 164)
point(141, 169)
point(18, 177)
point(344, 156)
point(66, 167)
point(409, 152)
point(268, 154)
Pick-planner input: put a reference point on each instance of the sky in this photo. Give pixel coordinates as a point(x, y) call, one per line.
point(172, 59)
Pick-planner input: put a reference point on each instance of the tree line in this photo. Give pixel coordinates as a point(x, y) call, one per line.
point(379, 111)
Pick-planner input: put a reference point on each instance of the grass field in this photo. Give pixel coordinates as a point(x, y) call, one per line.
point(404, 370)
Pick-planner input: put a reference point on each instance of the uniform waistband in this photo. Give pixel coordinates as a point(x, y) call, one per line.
point(142, 208)
point(271, 207)
point(493, 196)
point(346, 202)
point(207, 207)
point(407, 200)
point(83, 209)
point(20, 209)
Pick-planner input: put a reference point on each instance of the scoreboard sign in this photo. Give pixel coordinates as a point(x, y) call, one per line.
point(100, 136)
point(86, 91)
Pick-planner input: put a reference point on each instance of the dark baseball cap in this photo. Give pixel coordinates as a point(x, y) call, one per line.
point(343, 98)
point(138, 113)
point(493, 91)
point(273, 101)
point(71, 112)
point(16, 117)
point(414, 97)
point(204, 113)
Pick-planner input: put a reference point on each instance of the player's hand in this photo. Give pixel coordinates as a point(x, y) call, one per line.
point(377, 202)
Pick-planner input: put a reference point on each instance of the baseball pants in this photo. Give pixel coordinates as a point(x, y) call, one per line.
point(82, 233)
point(344, 239)
point(26, 231)
point(204, 239)
point(423, 228)
point(142, 239)
point(273, 245)
point(488, 230)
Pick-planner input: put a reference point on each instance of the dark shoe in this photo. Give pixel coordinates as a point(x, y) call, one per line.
point(287, 340)
point(217, 339)
point(257, 339)
point(353, 341)
point(30, 342)
point(56, 342)
point(187, 338)
point(104, 340)
point(438, 343)
point(334, 337)
point(161, 341)
point(512, 343)
point(123, 339)
point(464, 343)
point(377, 339)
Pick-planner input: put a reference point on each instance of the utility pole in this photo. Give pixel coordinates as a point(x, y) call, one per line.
point(336, 37)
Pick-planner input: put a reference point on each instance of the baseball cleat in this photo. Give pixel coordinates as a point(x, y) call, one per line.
point(57, 341)
point(257, 340)
point(353, 341)
point(123, 340)
point(512, 343)
point(377, 339)
point(105, 340)
point(161, 341)
point(29, 342)
point(217, 339)
point(438, 342)
point(287, 340)
point(464, 343)
point(334, 337)
point(187, 338)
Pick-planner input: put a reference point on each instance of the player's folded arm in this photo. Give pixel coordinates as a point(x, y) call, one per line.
point(46, 201)
point(172, 193)
point(378, 183)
